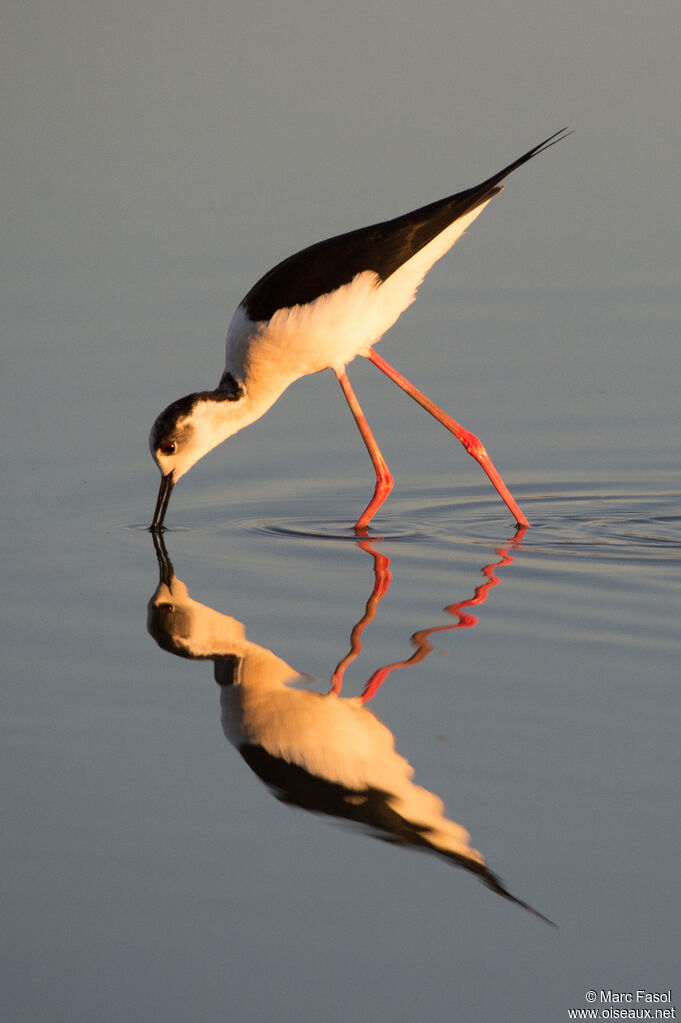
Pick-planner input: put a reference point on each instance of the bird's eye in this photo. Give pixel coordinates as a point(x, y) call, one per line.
point(168, 448)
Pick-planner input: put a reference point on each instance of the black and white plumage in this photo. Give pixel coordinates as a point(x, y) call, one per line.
point(319, 309)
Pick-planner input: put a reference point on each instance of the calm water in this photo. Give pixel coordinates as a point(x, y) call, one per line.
point(192, 832)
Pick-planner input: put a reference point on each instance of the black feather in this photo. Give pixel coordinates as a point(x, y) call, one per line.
point(380, 248)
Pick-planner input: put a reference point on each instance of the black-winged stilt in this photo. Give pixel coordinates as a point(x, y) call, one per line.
point(319, 309)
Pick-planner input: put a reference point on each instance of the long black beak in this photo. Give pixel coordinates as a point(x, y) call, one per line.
point(164, 492)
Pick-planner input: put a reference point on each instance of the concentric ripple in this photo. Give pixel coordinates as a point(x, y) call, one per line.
point(314, 529)
point(577, 520)
point(625, 525)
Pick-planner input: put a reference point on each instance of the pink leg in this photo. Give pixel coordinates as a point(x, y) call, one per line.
point(384, 479)
point(472, 444)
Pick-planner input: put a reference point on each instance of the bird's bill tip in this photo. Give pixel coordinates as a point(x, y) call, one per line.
point(164, 492)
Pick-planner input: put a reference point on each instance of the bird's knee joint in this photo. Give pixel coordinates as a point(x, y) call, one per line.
point(474, 446)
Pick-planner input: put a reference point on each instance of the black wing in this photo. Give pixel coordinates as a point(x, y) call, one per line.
point(381, 248)
point(368, 807)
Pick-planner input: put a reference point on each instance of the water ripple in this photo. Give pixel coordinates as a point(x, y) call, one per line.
point(629, 525)
point(316, 529)
point(625, 525)
point(578, 519)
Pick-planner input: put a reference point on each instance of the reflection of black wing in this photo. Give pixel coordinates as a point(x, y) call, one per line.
point(370, 808)
point(380, 248)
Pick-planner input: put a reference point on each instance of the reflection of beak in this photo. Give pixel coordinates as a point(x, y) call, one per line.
point(164, 492)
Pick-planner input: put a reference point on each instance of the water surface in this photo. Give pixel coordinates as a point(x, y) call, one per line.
point(157, 866)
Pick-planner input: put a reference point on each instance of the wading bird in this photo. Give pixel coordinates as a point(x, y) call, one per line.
point(319, 309)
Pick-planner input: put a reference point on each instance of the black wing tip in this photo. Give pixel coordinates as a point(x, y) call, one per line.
point(491, 186)
point(541, 147)
point(552, 140)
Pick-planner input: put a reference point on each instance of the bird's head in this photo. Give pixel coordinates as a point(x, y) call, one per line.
point(176, 440)
point(186, 431)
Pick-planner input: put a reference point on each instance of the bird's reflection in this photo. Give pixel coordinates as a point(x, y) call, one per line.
point(320, 751)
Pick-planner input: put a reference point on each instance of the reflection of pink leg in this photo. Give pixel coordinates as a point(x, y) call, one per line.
point(384, 479)
point(382, 579)
point(420, 639)
point(472, 444)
